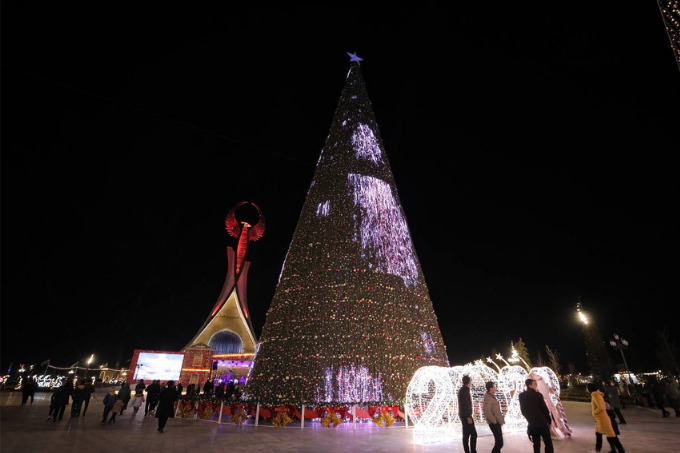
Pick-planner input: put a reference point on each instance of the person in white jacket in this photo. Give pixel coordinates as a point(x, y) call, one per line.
point(493, 415)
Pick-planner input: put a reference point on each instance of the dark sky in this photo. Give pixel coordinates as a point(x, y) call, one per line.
point(534, 152)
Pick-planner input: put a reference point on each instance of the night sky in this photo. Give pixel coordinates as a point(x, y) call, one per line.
point(534, 153)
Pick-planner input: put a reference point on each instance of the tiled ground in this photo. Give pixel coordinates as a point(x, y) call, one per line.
point(26, 430)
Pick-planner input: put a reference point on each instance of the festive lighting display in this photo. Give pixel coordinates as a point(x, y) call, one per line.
point(549, 387)
point(670, 12)
point(351, 319)
point(432, 402)
point(512, 379)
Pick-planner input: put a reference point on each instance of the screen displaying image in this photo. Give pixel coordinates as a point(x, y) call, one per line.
point(158, 365)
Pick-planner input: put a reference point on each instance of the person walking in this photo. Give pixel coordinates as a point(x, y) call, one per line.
point(533, 408)
point(659, 394)
point(124, 394)
point(219, 390)
point(61, 397)
point(137, 401)
point(140, 387)
point(615, 400)
point(109, 400)
point(208, 388)
point(610, 410)
point(465, 414)
point(603, 422)
point(152, 392)
point(28, 390)
point(117, 408)
point(671, 391)
point(53, 404)
point(166, 405)
point(494, 417)
point(78, 396)
point(87, 394)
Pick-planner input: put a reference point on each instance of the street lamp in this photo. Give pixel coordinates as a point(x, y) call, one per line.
point(619, 344)
point(581, 315)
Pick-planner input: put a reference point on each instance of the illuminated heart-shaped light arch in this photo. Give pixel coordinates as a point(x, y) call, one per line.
point(549, 387)
point(512, 379)
point(432, 403)
point(480, 374)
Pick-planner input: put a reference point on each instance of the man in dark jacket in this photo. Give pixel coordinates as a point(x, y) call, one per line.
point(152, 392)
point(166, 405)
point(61, 398)
point(139, 388)
point(465, 414)
point(534, 409)
point(28, 390)
point(615, 400)
point(78, 395)
point(89, 390)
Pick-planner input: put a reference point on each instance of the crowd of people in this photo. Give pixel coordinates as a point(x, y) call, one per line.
point(160, 401)
point(606, 410)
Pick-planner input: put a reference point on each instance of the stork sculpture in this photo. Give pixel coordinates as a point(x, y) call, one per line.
point(243, 231)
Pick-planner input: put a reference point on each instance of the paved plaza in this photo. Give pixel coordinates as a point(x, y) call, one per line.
point(24, 429)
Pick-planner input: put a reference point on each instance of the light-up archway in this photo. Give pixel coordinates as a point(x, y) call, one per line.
point(432, 403)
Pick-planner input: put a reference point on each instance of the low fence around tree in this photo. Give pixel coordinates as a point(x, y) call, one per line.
point(239, 412)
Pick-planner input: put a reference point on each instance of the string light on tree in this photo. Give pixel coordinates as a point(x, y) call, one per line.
point(351, 319)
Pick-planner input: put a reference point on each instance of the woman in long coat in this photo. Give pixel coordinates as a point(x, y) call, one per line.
point(166, 405)
point(124, 395)
point(603, 423)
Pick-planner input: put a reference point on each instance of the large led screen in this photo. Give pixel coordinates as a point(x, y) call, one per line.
point(158, 365)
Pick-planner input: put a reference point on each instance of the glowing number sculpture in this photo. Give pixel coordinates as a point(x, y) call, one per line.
point(432, 403)
point(428, 400)
point(512, 379)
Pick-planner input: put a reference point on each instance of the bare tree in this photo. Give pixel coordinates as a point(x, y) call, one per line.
point(667, 352)
point(572, 374)
point(539, 359)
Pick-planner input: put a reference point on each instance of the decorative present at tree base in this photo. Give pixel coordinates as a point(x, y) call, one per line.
point(281, 420)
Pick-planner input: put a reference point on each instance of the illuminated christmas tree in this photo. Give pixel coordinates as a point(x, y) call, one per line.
point(670, 12)
point(351, 319)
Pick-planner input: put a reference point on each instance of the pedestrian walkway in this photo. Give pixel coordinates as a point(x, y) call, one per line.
point(24, 429)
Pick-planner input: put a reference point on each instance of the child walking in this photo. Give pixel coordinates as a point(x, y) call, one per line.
point(138, 401)
point(112, 405)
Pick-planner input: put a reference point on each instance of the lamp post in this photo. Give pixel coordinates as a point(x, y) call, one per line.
point(581, 315)
point(89, 361)
point(619, 344)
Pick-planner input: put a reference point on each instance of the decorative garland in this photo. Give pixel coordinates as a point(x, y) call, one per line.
point(330, 418)
point(281, 420)
point(239, 416)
